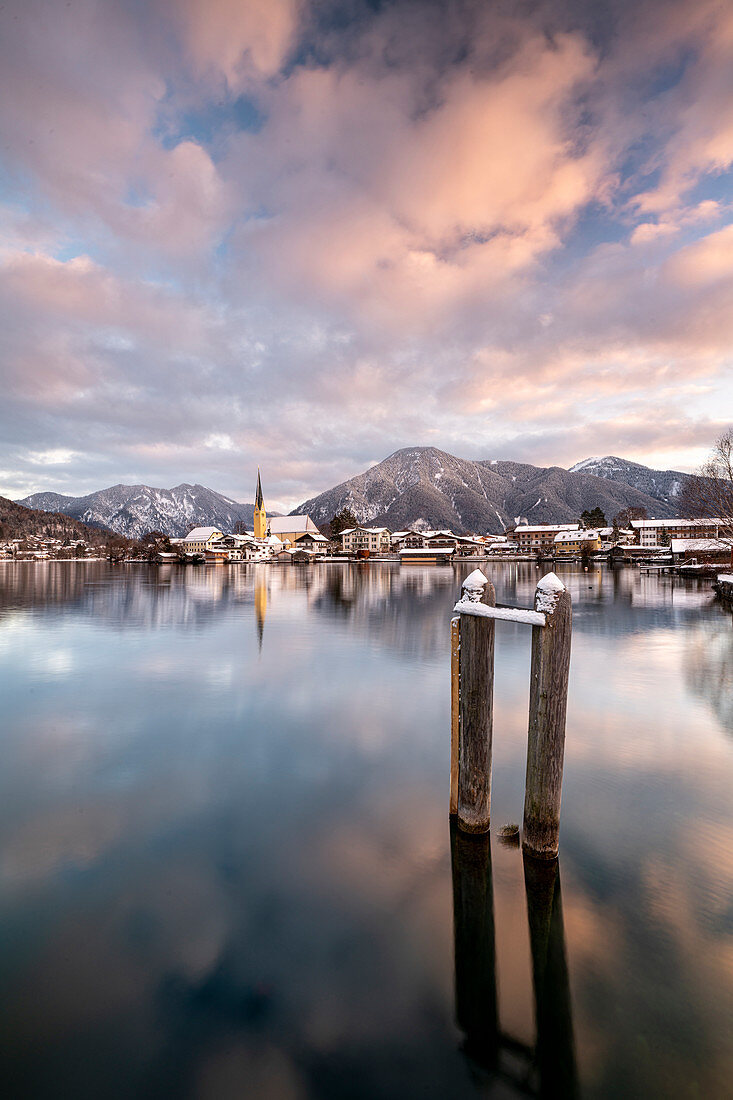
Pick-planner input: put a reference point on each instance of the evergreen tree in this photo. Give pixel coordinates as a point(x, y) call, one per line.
point(593, 518)
point(342, 521)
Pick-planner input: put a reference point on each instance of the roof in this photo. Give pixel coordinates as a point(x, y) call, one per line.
point(359, 527)
point(291, 524)
point(576, 536)
point(529, 529)
point(201, 534)
point(706, 521)
point(259, 499)
point(311, 535)
point(678, 546)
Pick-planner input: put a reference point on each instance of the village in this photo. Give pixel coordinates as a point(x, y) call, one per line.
point(695, 546)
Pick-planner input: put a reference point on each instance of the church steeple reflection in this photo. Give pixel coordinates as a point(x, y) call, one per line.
point(260, 604)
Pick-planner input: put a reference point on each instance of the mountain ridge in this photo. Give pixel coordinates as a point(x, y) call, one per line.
point(661, 484)
point(422, 486)
point(430, 487)
point(18, 521)
point(132, 510)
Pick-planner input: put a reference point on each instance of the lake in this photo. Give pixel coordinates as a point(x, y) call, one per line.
point(227, 865)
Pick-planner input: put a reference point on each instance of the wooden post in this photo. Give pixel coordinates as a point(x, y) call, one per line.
point(476, 681)
point(455, 647)
point(548, 698)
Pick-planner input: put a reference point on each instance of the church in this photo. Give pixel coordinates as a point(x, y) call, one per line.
point(286, 528)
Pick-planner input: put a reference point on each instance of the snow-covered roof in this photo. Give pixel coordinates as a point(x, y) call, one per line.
point(372, 530)
point(679, 546)
point(576, 536)
point(201, 534)
point(532, 529)
point(704, 522)
point(291, 524)
point(311, 535)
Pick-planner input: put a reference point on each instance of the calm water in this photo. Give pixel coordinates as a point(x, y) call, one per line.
point(227, 868)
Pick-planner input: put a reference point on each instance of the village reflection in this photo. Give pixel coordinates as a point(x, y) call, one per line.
point(709, 669)
point(547, 1070)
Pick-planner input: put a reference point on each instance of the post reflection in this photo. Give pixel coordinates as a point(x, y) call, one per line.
point(554, 1047)
point(477, 1011)
point(547, 1070)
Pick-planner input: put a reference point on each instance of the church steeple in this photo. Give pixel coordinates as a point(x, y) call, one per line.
point(260, 515)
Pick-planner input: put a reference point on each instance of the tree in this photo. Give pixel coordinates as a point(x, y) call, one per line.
point(625, 516)
point(342, 521)
point(709, 493)
point(593, 518)
point(117, 547)
point(664, 538)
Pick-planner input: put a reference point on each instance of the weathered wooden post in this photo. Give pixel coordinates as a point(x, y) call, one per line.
point(548, 698)
point(455, 651)
point(475, 707)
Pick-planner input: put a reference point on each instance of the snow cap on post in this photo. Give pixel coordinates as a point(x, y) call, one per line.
point(474, 585)
point(549, 589)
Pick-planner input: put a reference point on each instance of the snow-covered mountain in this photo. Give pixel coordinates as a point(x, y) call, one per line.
point(132, 510)
point(425, 485)
point(662, 485)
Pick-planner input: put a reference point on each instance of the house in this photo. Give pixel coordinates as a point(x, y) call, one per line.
point(236, 547)
point(289, 528)
point(531, 538)
point(575, 542)
point(716, 551)
point(407, 540)
point(377, 540)
point(436, 540)
point(295, 557)
point(659, 532)
point(200, 539)
point(317, 543)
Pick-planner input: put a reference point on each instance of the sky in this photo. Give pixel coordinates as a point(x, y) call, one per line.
point(306, 233)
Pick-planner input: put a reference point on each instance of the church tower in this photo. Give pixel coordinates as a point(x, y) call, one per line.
point(260, 513)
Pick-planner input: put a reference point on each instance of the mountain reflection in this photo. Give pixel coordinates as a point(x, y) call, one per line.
point(401, 605)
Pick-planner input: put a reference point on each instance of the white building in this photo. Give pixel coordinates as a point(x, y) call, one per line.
point(540, 536)
point(200, 539)
point(376, 540)
point(658, 532)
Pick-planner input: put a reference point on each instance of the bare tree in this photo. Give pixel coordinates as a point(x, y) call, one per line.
point(709, 493)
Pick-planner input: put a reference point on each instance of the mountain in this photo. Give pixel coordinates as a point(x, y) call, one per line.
point(132, 510)
point(425, 486)
point(17, 521)
point(662, 485)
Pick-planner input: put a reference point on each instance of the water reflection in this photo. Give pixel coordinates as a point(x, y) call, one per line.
point(547, 1069)
point(225, 868)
